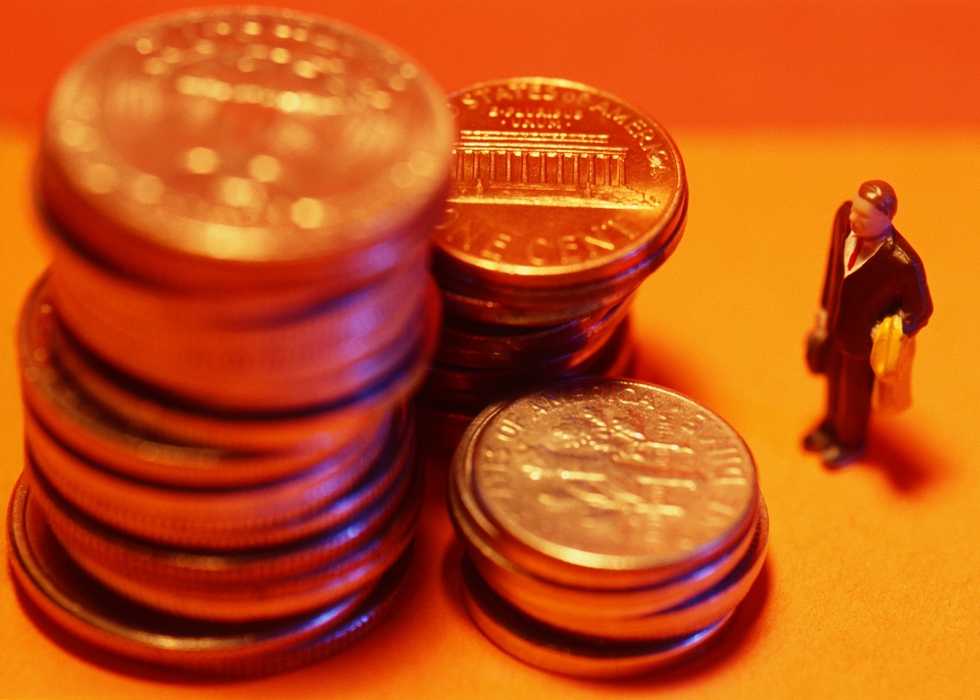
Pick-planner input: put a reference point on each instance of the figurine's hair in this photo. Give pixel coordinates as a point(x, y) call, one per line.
point(881, 196)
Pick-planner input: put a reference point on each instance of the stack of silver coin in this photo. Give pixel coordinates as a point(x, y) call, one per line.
point(610, 527)
point(563, 200)
point(221, 467)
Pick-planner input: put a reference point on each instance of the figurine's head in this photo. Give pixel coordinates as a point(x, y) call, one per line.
point(873, 209)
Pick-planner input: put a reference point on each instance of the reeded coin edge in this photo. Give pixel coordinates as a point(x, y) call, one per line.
point(197, 433)
point(391, 505)
point(685, 617)
point(573, 655)
point(270, 431)
point(242, 657)
point(553, 603)
point(371, 473)
point(72, 613)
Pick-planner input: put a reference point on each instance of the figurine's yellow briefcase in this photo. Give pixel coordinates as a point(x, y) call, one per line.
point(891, 360)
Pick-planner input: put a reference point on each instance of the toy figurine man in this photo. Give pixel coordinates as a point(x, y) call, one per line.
point(872, 273)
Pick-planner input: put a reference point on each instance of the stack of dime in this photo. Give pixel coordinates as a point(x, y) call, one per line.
point(563, 200)
point(221, 468)
point(610, 527)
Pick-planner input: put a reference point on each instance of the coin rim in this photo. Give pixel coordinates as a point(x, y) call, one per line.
point(574, 655)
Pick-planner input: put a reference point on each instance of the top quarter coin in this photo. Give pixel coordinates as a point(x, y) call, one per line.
point(555, 184)
point(608, 483)
point(211, 147)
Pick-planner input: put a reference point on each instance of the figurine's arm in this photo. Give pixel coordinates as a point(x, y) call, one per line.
point(837, 235)
point(817, 344)
point(818, 340)
point(916, 300)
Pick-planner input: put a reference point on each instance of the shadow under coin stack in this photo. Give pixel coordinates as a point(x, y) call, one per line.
point(610, 527)
point(563, 200)
point(221, 469)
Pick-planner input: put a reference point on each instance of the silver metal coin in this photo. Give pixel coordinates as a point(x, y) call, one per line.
point(90, 612)
point(605, 483)
point(222, 587)
point(574, 655)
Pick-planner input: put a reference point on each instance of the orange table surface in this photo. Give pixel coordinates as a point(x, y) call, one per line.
point(871, 583)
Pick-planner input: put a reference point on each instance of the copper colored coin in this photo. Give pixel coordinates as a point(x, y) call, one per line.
point(482, 345)
point(556, 184)
point(87, 610)
point(481, 388)
point(487, 306)
point(189, 150)
point(606, 483)
point(503, 380)
point(466, 294)
point(571, 654)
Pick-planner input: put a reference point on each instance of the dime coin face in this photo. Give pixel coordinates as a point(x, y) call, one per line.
point(613, 475)
point(557, 180)
point(286, 138)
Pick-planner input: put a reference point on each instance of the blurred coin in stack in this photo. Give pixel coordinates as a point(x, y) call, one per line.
point(221, 467)
point(563, 200)
point(609, 527)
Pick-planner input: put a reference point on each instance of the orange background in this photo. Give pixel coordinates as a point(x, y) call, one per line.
point(780, 108)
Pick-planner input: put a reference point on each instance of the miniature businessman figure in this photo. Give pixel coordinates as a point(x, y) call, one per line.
point(872, 273)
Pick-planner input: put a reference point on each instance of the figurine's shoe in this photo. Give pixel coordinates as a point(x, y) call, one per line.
point(837, 455)
point(819, 440)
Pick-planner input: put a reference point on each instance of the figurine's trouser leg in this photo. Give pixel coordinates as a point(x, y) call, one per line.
point(849, 384)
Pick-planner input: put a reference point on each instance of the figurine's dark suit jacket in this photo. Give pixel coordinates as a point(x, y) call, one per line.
point(890, 281)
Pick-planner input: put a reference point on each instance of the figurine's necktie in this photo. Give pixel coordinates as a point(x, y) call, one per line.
point(858, 244)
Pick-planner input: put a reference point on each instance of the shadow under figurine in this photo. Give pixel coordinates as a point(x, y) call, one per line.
point(875, 299)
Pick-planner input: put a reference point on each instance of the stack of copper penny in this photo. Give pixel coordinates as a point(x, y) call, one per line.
point(221, 468)
point(610, 527)
point(563, 200)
